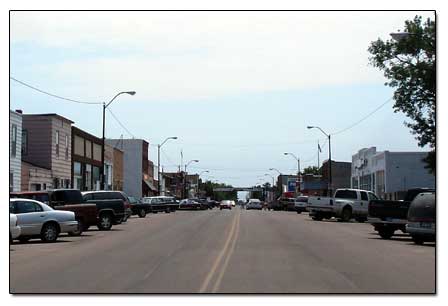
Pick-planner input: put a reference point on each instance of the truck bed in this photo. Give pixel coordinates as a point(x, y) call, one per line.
point(384, 209)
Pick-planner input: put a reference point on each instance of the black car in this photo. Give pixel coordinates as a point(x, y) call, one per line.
point(421, 223)
point(138, 207)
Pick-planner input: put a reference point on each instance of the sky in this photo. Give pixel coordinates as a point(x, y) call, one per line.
point(238, 89)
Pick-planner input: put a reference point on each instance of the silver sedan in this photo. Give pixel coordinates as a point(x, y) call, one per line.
point(38, 220)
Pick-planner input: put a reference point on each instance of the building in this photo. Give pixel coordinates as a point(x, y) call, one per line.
point(135, 166)
point(313, 185)
point(172, 183)
point(389, 174)
point(117, 173)
point(286, 183)
point(35, 178)
point(47, 145)
point(340, 174)
point(86, 160)
point(15, 150)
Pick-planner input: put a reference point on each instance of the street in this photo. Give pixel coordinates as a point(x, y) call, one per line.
point(228, 251)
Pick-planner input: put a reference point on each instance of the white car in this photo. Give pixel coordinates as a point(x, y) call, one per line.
point(38, 220)
point(254, 204)
point(14, 229)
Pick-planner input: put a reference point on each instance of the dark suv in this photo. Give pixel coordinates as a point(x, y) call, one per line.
point(421, 224)
point(110, 195)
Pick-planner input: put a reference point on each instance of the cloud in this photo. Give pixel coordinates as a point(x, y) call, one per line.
point(195, 55)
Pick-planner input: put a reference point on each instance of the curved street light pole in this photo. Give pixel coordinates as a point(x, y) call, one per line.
point(298, 171)
point(185, 178)
point(330, 183)
point(102, 174)
point(158, 162)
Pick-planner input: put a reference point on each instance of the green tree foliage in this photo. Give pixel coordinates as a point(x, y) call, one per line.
point(220, 195)
point(409, 64)
point(311, 170)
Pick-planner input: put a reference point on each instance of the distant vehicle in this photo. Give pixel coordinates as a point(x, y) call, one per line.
point(388, 216)
point(189, 204)
point(233, 203)
point(112, 195)
point(225, 204)
point(38, 220)
point(300, 204)
point(204, 204)
point(165, 204)
point(282, 203)
point(254, 204)
point(422, 218)
point(345, 205)
point(14, 229)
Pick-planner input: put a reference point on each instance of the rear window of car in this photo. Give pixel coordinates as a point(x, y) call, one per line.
point(345, 194)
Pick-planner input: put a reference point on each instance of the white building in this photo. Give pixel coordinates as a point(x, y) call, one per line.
point(389, 174)
point(15, 150)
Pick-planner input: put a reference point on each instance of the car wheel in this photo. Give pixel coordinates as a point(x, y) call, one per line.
point(386, 233)
point(317, 217)
point(220, 208)
point(167, 211)
point(346, 214)
point(299, 212)
point(78, 230)
point(361, 219)
point(142, 213)
point(105, 222)
point(418, 240)
point(49, 232)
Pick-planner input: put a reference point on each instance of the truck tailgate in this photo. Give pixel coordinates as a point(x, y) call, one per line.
point(384, 209)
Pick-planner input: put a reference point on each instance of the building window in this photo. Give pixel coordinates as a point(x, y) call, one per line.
point(77, 176)
point(24, 142)
point(66, 147)
point(96, 177)
point(88, 149)
point(79, 146)
point(96, 152)
point(88, 179)
point(14, 140)
point(11, 182)
point(57, 143)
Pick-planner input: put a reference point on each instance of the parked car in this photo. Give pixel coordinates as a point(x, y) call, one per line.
point(65, 199)
point(233, 203)
point(138, 207)
point(345, 205)
point(14, 229)
point(110, 195)
point(388, 216)
point(159, 204)
point(225, 204)
point(422, 218)
point(300, 204)
point(189, 204)
point(38, 220)
point(254, 204)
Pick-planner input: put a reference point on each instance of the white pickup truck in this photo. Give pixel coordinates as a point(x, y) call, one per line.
point(345, 205)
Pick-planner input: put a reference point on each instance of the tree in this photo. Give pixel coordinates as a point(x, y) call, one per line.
point(219, 195)
point(311, 170)
point(409, 62)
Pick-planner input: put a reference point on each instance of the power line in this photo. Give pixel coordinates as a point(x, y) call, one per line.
point(50, 94)
point(364, 118)
point(121, 124)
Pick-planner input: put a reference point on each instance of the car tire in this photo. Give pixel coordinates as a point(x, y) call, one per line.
point(167, 211)
point(79, 230)
point(361, 219)
point(105, 222)
point(220, 208)
point(386, 233)
point(346, 214)
point(299, 212)
point(317, 217)
point(142, 213)
point(418, 240)
point(49, 232)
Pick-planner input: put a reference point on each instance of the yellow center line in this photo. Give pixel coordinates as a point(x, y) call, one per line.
point(229, 254)
point(220, 256)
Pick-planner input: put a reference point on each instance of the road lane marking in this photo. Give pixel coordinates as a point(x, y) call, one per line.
point(220, 256)
point(229, 254)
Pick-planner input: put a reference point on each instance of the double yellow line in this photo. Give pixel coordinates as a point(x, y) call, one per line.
point(223, 256)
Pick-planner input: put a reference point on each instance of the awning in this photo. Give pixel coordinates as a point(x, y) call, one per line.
point(150, 185)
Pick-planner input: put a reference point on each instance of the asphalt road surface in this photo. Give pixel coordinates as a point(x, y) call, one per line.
point(215, 251)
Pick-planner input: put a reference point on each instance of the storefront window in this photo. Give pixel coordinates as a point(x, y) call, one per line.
point(88, 181)
point(96, 177)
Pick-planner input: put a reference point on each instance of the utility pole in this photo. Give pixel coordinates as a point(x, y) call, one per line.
point(330, 183)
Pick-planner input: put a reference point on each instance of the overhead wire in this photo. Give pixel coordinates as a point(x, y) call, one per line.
point(51, 94)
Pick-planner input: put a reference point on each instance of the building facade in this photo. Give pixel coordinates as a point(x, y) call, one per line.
point(286, 183)
point(117, 174)
point(86, 160)
point(35, 178)
point(15, 151)
point(135, 165)
point(47, 145)
point(340, 174)
point(389, 174)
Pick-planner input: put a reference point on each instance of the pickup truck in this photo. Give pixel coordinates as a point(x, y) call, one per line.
point(344, 205)
point(388, 216)
point(85, 215)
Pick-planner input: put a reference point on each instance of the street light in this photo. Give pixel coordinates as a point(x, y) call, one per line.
point(158, 161)
point(104, 128)
point(298, 170)
point(272, 169)
point(185, 179)
point(197, 182)
point(329, 157)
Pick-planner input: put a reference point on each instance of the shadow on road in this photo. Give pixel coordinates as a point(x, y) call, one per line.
point(41, 242)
